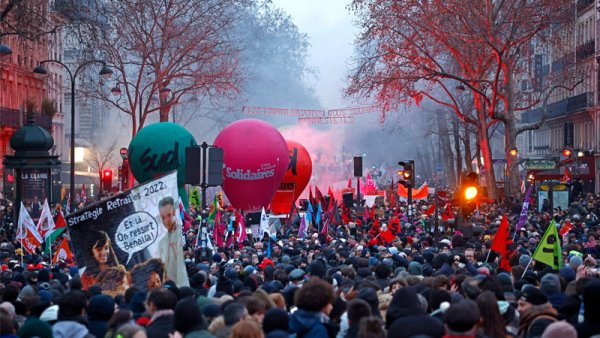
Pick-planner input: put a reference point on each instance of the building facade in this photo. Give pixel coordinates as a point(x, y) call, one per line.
point(571, 124)
point(21, 90)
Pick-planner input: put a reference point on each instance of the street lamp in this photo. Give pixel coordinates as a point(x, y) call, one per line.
point(513, 152)
point(5, 50)
point(105, 73)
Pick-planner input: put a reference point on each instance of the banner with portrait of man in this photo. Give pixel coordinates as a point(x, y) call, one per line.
point(133, 238)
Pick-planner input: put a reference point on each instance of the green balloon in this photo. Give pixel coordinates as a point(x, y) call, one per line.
point(158, 149)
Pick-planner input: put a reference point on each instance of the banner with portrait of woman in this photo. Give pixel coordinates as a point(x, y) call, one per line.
point(133, 238)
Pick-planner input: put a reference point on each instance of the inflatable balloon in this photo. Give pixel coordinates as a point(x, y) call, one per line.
point(255, 160)
point(158, 149)
point(295, 180)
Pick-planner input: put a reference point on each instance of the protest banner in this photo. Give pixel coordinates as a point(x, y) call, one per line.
point(134, 238)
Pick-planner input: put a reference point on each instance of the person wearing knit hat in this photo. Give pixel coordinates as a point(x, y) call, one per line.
point(536, 313)
point(462, 318)
point(35, 327)
point(575, 261)
point(560, 329)
point(550, 286)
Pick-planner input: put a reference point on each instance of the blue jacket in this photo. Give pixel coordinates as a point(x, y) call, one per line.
point(307, 325)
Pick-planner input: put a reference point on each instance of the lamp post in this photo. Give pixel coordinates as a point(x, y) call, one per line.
point(5, 50)
point(105, 72)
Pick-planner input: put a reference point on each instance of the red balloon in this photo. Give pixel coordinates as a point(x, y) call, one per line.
point(255, 159)
point(295, 180)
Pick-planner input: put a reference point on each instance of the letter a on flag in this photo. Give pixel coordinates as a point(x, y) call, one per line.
point(548, 250)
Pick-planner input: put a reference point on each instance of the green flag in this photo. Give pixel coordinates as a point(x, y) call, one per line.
point(548, 250)
point(52, 237)
point(195, 198)
point(213, 210)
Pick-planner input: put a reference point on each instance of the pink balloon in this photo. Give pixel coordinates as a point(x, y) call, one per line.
point(255, 159)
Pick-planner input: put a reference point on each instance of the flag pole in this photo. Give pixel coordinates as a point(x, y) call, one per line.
point(527, 267)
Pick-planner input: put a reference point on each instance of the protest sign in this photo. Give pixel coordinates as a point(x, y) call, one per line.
point(132, 238)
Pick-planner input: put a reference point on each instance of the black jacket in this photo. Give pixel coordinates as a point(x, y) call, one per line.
point(161, 326)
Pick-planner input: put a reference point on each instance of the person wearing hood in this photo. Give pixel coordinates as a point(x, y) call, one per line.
point(100, 311)
point(405, 317)
point(591, 316)
point(550, 286)
point(314, 302)
point(71, 322)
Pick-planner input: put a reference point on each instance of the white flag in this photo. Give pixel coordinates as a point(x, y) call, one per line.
point(45, 224)
point(264, 223)
point(27, 233)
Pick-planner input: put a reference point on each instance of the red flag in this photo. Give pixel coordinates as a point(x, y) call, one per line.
point(63, 252)
point(375, 228)
point(318, 195)
point(349, 183)
point(27, 232)
point(447, 214)
point(567, 177)
point(387, 236)
point(60, 222)
point(501, 244)
point(219, 229)
point(430, 211)
point(394, 225)
point(346, 215)
point(325, 229)
point(565, 228)
point(330, 193)
point(372, 213)
point(311, 199)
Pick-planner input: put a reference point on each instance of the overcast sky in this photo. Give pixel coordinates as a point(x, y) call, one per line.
point(330, 29)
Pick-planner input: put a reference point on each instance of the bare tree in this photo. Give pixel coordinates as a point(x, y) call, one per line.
point(443, 49)
point(102, 157)
point(165, 52)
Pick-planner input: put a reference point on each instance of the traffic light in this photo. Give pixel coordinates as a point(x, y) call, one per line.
point(567, 152)
point(407, 175)
point(469, 192)
point(107, 176)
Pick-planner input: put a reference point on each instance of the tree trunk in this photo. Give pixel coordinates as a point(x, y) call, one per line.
point(467, 145)
point(484, 144)
point(458, 158)
point(510, 140)
point(445, 149)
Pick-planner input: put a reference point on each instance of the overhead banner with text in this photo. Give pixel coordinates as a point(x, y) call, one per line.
point(134, 238)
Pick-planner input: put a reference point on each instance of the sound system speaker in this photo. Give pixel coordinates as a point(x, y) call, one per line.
point(192, 165)
point(253, 218)
point(348, 199)
point(358, 166)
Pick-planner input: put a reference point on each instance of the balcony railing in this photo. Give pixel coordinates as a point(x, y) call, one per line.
point(10, 117)
point(582, 4)
point(586, 50)
point(560, 108)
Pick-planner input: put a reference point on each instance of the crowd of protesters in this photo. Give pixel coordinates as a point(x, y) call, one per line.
point(341, 284)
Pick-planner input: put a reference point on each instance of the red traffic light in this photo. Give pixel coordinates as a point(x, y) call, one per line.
point(107, 173)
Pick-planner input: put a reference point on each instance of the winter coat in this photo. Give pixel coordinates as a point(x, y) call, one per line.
point(163, 323)
point(199, 334)
point(70, 329)
point(307, 325)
